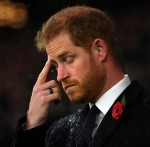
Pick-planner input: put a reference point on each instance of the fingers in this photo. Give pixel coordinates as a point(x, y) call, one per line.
point(46, 97)
point(47, 85)
point(53, 97)
point(56, 95)
point(43, 75)
point(43, 90)
point(41, 84)
point(40, 102)
point(41, 98)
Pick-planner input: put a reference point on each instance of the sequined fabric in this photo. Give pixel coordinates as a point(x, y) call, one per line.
point(66, 131)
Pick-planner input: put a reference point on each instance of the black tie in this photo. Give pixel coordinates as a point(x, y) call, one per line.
point(89, 124)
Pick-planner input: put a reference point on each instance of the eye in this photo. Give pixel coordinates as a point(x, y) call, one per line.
point(69, 59)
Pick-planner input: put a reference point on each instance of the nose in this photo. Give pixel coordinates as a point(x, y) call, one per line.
point(62, 73)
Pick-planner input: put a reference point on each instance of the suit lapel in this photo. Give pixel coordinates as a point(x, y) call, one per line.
point(109, 124)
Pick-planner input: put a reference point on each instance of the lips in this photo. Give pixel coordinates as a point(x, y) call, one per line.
point(69, 87)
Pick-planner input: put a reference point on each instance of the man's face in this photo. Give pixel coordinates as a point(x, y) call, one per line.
point(79, 72)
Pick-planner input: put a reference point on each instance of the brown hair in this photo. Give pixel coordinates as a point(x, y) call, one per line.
point(83, 24)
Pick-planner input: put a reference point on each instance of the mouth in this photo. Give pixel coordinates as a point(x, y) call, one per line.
point(69, 87)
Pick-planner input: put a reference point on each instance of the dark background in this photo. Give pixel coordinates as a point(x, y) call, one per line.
point(20, 62)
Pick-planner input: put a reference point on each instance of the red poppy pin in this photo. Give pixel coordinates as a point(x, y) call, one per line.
point(117, 109)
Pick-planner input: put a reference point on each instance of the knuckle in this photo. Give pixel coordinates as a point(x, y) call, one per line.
point(43, 98)
point(57, 90)
point(36, 89)
point(53, 82)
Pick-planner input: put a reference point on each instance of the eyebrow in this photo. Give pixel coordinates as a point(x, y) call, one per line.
point(61, 56)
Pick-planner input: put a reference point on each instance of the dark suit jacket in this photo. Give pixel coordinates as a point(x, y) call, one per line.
point(132, 129)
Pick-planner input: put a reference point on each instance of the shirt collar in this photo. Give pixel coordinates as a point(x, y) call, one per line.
point(107, 99)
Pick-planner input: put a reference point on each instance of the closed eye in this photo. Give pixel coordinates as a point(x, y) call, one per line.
point(69, 59)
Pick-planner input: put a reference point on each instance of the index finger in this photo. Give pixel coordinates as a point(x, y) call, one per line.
point(43, 75)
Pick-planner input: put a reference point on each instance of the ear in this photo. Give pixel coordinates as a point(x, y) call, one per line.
point(100, 48)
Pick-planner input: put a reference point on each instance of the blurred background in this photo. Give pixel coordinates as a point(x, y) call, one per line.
point(20, 62)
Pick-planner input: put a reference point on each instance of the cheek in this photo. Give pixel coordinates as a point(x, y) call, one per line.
point(80, 70)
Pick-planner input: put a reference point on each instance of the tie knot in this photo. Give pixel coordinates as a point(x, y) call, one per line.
point(94, 110)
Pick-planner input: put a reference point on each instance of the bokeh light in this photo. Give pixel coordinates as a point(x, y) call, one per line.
point(12, 14)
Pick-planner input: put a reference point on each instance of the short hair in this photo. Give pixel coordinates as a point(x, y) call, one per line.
point(82, 23)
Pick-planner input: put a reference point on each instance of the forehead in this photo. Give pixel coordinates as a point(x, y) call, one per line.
point(62, 45)
point(58, 44)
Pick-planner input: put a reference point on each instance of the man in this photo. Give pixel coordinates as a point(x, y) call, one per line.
point(79, 41)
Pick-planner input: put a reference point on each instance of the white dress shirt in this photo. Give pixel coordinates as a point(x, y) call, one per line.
point(105, 102)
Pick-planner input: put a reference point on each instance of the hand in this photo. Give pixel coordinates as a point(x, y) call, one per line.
point(41, 99)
